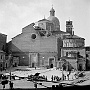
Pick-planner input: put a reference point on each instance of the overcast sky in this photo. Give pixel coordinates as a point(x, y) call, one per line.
point(16, 14)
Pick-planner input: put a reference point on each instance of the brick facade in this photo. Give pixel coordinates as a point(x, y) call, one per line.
point(28, 49)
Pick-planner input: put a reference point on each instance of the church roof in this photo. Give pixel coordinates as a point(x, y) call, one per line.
point(87, 48)
point(17, 35)
point(73, 37)
point(59, 32)
point(44, 20)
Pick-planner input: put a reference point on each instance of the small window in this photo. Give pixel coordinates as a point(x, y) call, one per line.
point(1, 65)
point(1, 56)
point(33, 36)
point(67, 54)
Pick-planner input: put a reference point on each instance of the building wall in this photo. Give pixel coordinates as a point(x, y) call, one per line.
point(7, 63)
point(44, 58)
point(24, 42)
point(26, 48)
point(46, 25)
point(3, 39)
point(88, 57)
point(73, 63)
point(2, 60)
point(38, 51)
point(42, 25)
point(39, 59)
point(70, 54)
point(40, 44)
point(23, 58)
point(73, 51)
point(79, 42)
point(15, 61)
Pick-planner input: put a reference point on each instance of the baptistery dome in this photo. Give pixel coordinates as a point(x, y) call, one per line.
point(54, 20)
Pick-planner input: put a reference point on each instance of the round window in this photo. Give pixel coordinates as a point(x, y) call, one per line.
point(33, 36)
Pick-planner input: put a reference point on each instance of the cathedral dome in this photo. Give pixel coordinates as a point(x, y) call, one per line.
point(54, 19)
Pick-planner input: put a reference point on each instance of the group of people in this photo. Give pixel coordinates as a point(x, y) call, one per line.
point(37, 78)
point(66, 75)
point(55, 78)
point(4, 80)
point(69, 75)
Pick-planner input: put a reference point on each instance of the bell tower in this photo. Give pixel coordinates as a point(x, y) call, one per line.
point(69, 27)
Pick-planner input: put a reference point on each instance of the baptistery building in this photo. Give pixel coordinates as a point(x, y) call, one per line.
point(73, 50)
point(44, 44)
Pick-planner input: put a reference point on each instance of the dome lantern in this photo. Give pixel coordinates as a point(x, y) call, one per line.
point(52, 12)
point(54, 20)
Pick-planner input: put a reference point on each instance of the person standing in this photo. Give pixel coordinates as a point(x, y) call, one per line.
point(11, 85)
point(35, 85)
point(52, 78)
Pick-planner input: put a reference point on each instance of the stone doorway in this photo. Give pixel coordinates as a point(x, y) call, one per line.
point(33, 60)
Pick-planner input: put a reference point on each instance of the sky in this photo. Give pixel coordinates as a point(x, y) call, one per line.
point(16, 14)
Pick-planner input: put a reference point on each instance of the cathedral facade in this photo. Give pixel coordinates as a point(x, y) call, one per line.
point(43, 44)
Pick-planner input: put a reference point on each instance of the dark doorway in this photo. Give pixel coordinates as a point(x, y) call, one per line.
point(51, 66)
point(51, 61)
point(64, 66)
point(1, 67)
point(33, 65)
point(80, 68)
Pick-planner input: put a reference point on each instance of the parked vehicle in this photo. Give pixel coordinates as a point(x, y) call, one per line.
point(36, 77)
